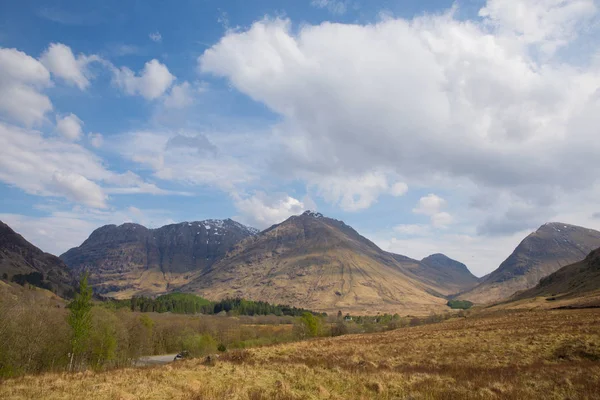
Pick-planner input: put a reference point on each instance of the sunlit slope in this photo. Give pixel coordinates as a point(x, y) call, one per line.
point(318, 263)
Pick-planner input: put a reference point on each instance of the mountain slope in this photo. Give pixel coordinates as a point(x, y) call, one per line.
point(318, 263)
point(19, 257)
point(131, 259)
point(448, 274)
point(543, 252)
point(571, 281)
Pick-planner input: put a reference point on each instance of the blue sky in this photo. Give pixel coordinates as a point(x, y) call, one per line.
point(454, 127)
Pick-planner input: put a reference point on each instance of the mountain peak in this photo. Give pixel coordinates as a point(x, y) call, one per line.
point(312, 214)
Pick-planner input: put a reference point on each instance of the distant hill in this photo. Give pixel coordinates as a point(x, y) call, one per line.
point(131, 259)
point(449, 275)
point(321, 264)
point(543, 252)
point(571, 281)
point(23, 262)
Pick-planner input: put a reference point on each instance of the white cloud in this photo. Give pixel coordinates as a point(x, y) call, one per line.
point(96, 139)
point(547, 23)
point(358, 192)
point(429, 205)
point(79, 189)
point(180, 96)
point(61, 62)
point(261, 210)
point(155, 37)
point(333, 6)
point(69, 126)
point(50, 166)
point(187, 158)
point(447, 101)
point(441, 219)
point(152, 82)
point(399, 189)
point(21, 82)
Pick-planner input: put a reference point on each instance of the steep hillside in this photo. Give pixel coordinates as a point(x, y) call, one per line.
point(571, 281)
point(449, 275)
point(543, 252)
point(131, 259)
point(321, 264)
point(19, 257)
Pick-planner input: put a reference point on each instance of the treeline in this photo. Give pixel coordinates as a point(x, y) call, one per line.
point(185, 303)
point(36, 336)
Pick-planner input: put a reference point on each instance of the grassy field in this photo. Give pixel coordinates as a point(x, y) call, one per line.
point(508, 355)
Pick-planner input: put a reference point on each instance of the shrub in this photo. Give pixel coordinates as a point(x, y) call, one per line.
point(459, 304)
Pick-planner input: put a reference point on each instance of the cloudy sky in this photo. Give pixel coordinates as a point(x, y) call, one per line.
point(454, 127)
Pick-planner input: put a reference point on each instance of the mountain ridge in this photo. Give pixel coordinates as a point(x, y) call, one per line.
point(318, 263)
point(552, 246)
point(19, 257)
point(130, 259)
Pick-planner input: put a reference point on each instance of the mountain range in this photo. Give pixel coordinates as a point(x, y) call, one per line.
point(131, 259)
point(323, 264)
point(552, 246)
point(308, 260)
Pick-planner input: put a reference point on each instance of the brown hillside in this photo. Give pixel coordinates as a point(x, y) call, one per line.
point(551, 247)
point(571, 281)
point(321, 264)
point(18, 256)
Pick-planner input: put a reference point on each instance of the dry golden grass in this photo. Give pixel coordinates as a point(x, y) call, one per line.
point(508, 355)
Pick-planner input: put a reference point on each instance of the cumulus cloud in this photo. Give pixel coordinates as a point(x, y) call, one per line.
point(50, 166)
point(354, 193)
point(61, 62)
point(152, 82)
point(21, 83)
point(432, 205)
point(79, 189)
point(547, 23)
point(96, 139)
point(180, 96)
point(69, 126)
point(261, 210)
point(453, 101)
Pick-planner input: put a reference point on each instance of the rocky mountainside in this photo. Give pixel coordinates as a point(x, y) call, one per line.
point(19, 257)
point(571, 281)
point(322, 264)
point(449, 275)
point(131, 259)
point(551, 247)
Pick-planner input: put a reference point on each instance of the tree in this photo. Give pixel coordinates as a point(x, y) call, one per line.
point(80, 319)
point(309, 325)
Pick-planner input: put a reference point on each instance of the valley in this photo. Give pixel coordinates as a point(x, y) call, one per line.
point(509, 355)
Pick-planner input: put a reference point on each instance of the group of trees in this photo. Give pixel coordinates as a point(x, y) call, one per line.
point(185, 303)
point(87, 334)
point(459, 304)
point(32, 278)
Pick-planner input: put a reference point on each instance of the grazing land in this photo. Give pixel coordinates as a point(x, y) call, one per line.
point(549, 354)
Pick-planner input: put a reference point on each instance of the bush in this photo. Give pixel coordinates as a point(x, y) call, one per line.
point(199, 345)
point(459, 304)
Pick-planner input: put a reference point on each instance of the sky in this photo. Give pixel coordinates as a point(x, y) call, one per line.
point(439, 126)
